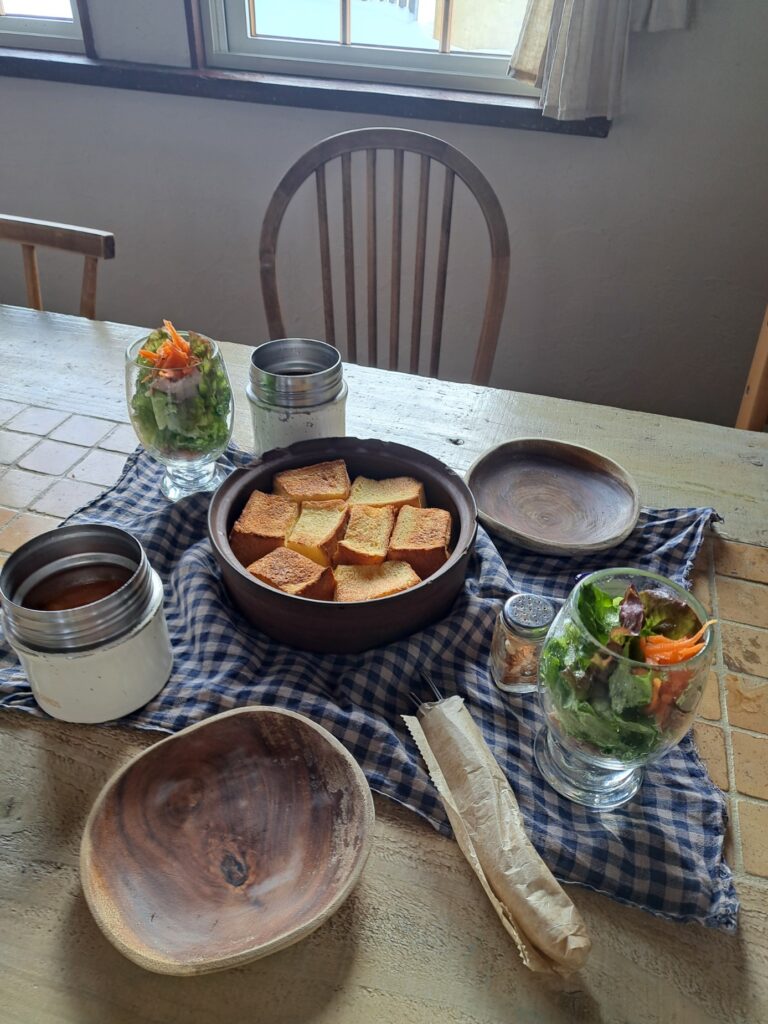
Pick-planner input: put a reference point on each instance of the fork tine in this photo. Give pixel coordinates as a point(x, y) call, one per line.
point(428, 680)
point(415, 699)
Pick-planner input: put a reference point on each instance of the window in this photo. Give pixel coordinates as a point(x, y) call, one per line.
point(460, 44)
point(41, 25)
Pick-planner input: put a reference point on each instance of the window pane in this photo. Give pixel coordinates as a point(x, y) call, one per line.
point(409, 24)
point(318, 20)
point(492, 26)
point(39, 8)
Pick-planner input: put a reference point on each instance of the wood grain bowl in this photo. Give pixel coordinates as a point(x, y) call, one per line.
point(226, 842)
point(553, 497)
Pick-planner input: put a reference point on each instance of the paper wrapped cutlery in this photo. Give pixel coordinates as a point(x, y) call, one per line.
point(549, 932)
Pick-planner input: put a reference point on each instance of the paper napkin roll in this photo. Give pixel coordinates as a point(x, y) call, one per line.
point(486, 819)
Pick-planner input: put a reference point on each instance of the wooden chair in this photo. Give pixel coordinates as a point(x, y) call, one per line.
point(429, 150)
point(93, 245)
point(753, 412)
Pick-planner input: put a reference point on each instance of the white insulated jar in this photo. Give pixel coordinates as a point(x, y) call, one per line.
point(296, 391)
point(97, 661)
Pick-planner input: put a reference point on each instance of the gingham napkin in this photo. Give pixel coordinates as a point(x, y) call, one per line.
point(662, 851)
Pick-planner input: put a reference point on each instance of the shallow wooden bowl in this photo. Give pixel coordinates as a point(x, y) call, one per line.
point(226, 842)
point(553, 497)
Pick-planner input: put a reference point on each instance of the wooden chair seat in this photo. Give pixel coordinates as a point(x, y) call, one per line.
point(753, 412)
point(29, 234)
point(428, 150)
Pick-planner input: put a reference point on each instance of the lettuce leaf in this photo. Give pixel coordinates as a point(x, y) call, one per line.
point(599, 612)
point(667, 615)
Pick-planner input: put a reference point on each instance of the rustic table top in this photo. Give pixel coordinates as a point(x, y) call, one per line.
point(417, 940)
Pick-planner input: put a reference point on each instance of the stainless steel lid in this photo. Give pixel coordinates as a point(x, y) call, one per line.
point(295, 373)
point(90, 625)
point(529, 615)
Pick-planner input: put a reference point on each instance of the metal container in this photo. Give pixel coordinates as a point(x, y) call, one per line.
point(297, 392)
point(95, 661)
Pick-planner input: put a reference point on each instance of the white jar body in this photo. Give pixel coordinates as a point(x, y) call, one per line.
point(106, 682)
point(277, 426)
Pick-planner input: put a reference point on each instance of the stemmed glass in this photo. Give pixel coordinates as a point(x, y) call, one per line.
point(608, 715)
point(180, 404)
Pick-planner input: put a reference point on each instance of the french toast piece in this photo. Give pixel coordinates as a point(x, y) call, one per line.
point(367, 536)
point(325, 481)
point(421, 537)
point(367, 582)
point(396, 491)
point(262, 526)
point(292, 573)
point(317, 531)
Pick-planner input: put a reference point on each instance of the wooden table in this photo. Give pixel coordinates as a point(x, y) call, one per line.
point(416, 941)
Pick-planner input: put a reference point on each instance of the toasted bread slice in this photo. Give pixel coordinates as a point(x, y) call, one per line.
point(325, 481)
point(396, 491)
point(367, 582)
point(318, 529)
point(291, 572)
point(421, 537)
point(262, 526)
point(367, 536)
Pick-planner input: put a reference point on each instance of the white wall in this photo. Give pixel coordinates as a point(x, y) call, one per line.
point(639, 261)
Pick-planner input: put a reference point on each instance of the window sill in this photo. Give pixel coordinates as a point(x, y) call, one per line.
point(295, 91)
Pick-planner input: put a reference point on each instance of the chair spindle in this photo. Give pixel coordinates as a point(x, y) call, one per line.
point(325, 255)
point(349, 256)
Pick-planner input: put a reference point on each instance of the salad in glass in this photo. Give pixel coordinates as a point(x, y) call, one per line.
point(621, 674)
point(180, 404)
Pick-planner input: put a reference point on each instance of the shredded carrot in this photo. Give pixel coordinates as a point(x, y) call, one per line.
point(653, 703)
point(664, 641)
point(173, 354)
point(673, 657)
point(176, 338)
point(663, 650)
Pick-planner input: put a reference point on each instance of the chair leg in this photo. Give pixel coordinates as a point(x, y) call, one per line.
point(32, 277)
point(88, 293)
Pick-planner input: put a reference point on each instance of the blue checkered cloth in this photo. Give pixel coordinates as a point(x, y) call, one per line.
point(663, 851)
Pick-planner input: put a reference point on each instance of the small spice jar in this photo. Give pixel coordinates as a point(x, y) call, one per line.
point(296, 391)
point(518, 637)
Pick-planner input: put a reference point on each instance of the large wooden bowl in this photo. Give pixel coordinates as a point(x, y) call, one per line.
point(332, 626)
point(226, 842)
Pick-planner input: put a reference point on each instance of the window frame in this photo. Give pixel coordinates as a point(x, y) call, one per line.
point(30, 33)
point(228, 45)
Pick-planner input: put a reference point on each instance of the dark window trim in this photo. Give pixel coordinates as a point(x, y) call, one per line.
point(295, 91)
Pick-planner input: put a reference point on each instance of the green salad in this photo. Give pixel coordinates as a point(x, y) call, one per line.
point(181, 402)
point(620, 684)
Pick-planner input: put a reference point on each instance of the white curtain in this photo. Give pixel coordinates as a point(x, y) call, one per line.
point(575, 50)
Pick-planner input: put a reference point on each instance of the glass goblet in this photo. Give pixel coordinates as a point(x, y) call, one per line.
point(181, 414)
point(607, 714)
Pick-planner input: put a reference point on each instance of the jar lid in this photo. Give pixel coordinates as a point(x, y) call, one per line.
point(529, 615)
point(295, 373)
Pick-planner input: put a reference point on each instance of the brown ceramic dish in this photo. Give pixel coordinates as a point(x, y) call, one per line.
point(332, 626)
point(554, 497)
point(226, 842)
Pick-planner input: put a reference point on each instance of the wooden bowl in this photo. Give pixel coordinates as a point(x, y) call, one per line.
point(226, 842)
point(554, 497)
point(332, 626)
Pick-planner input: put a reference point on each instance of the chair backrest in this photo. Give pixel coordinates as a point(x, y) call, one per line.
point(428, 149)
point(93, 245)
point(753, 412)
